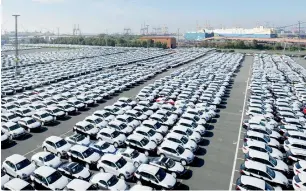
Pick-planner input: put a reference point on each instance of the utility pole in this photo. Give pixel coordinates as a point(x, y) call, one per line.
point(178, 36)
point(299, 36)
point(16, 46)
point(57, 38)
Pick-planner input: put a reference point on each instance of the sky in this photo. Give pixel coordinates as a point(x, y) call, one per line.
point(99, 16)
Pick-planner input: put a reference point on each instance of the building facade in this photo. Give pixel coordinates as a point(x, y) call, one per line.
point(170, 41)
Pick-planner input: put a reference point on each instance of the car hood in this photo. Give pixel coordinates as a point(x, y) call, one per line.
point(102, 124)
point(93, 131)
point(84, 173)
point(149, 112)
point(65, 147)
point(191, 144)
point(15, 119)
point(94, 157)
point(157, 136)
point(121, 138)
point(273, 142)
point(4, 137)
point(151, 145)
point(168, 182)
point(28, 169)
point(110, 149)
point(60, 183)
point(120, 112)
point(275, 134)
point(143, 116)
point(129, 167)
point(84, 142)
point(49, 118)
point(18, 131)
point(54, 163)
point(142, 158)
point(34, 125)
point(109, 118)
point(121, 185)
point(60, 113)
point(187, 154)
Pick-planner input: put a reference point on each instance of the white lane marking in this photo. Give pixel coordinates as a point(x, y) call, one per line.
point(237, 171)
point(240, 159)
point(39, 146)
point(239, 134)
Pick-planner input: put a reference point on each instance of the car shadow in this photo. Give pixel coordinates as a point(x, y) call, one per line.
point(25, 137)
point(75, 113)
point(222, 106)
point(208, 134)
point(217, 115)
point(204, 142)
point(54, 124)
point(181, 186)
point(187, 175)
point(213, 120)
point(95, 105)
point(40, 130)
point(67, 117)
point(201, 151)
point(223, 102)
point(197, 162)
point(209, 127)
point(7, 146)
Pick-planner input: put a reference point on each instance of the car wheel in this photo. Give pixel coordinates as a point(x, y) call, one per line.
point(45, 149)
point(116, 145)
point(59, 155)
point(121, 176)
point(138, 182)
point(162, 155)
point(87, 165)
point(173, 174)
point(4, 170)
point(42, 123)
point(184, 163)
point(11, 137)
point(101, 169)
point(73, 129)
point(29, 130)
point(136, 164)
point(70, 159)
point(146, 153)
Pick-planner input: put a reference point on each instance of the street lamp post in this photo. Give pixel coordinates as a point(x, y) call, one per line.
point(16, 46)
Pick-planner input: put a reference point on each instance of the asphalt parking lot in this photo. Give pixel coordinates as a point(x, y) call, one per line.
point(32, 144)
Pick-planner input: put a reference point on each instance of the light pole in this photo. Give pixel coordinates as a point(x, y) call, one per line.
point(16, 46)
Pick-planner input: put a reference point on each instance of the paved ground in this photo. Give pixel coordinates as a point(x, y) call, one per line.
point(33, 50)
point(220, 146)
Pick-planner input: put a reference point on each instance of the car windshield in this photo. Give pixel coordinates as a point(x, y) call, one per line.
point(160, 175)
point(54, 177)
point(49, 157)
point(112, 181)
point(134, 154)
point(180, 149)
point(138, 114)
point(194, 124)
point(196, 118)
point(23, 103)
point(270, 172)
point(273, 161)
point(129, 119)
point(31, 121)
point(184, 140)
point(26, 111)
point(11, 107)
point(268, 187)
point(269, 131)
point(98, 120)
point(266, 138)
point(189, 132)
point(77, 168)
point(60, 143)
point(145, 109)
point(169, 162)
point(12, 116)
point(144, 141)
point(268, 148)
point(106, 114)
point(88, 127)
point(77, 102)
point(23, 164)
point(158, 125)
point(122, 126)
point(44, 115)
point(116, 109)
point(39, 106)
point(121, 162)
point(88, 152)
point(115, 134)
point(105, 145)
point(14, 127)
point(56, 110)
point(79, 137)
point(151, 132)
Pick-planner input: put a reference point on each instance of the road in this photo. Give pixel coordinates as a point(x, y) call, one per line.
point(220, 145)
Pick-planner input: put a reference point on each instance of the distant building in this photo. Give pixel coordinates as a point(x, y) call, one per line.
point(170, 41)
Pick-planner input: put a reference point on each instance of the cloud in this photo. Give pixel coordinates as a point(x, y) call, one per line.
point(48, 1)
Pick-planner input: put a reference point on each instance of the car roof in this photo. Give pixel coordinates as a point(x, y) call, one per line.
point(255, 165)
point(296, 141)
point(169, 144)
point(39, 112)
point(78, 184)
point(107, 130)
point(291, 133)
point(9, 124)
point(253, 133)
point(256, 143)
point(258, 154)
point(79, 148)
point(26, 118)
point(143, 129)
point(136, 137)
point(297, 151)
point(101, 176)
point(54, 139)
point(110, 157)
point(44, 171)
point(41, 154)
point(7, 114)
point(148, 168)
point(16, 184)
point(174, 135)
point(249, 180)
point(92, 117)
point(15, 158)
point(83, 123)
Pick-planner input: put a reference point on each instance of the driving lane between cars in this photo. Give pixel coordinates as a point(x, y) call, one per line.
point(213, 168)
point(33, 144)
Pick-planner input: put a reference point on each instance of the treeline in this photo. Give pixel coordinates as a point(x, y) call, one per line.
point(238, 44)
point(104, 40)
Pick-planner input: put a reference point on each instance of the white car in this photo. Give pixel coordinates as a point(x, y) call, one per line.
point(17, 184)
point(84, 155)
point(49, 178)
point(299, 167)
point(129, 120)
point(184, 141)
point(102, 147)
point(112, 136)
point(292, 143)
point(18, 166)
point(74, 170)
point(128, 101)
point(79, 139)
point(122, 105)
point(106, 115)
point(120, 126)
point(46, 159)
point(141, 143)
point(156, 176)
point(13, 130)
point(264, 130)
point(108, 181)
point(56, 112)
point(29, 123)
point(162, 119)
point(137, 115)
point(5, 117)
point(80, 185)
point(5, 139)
point(96, 121)
point(245, 183)
point(133, 156)
point(299, 182)
point(4, 178)
point(138, 187)
point(169, 165)
point(116, 165)
point(176, 152)
point(56, 145)
point(114, 110)
point(262, 147)
point(195, 118)
point(267, 159)
point(264, 172)
point(149, 133)
point(157, 126)
point(86, 128)
point(193, 135)
point(252, 135)
point(168, 114)
point(44, 117)
point(192, 125)
point(145, 110)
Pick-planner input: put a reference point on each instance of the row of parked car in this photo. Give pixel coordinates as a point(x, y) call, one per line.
point(11, 47)
point(150, 141)
point(30, 110)
point(275, 138)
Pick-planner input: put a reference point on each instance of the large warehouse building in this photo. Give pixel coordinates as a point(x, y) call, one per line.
point(170, 41)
